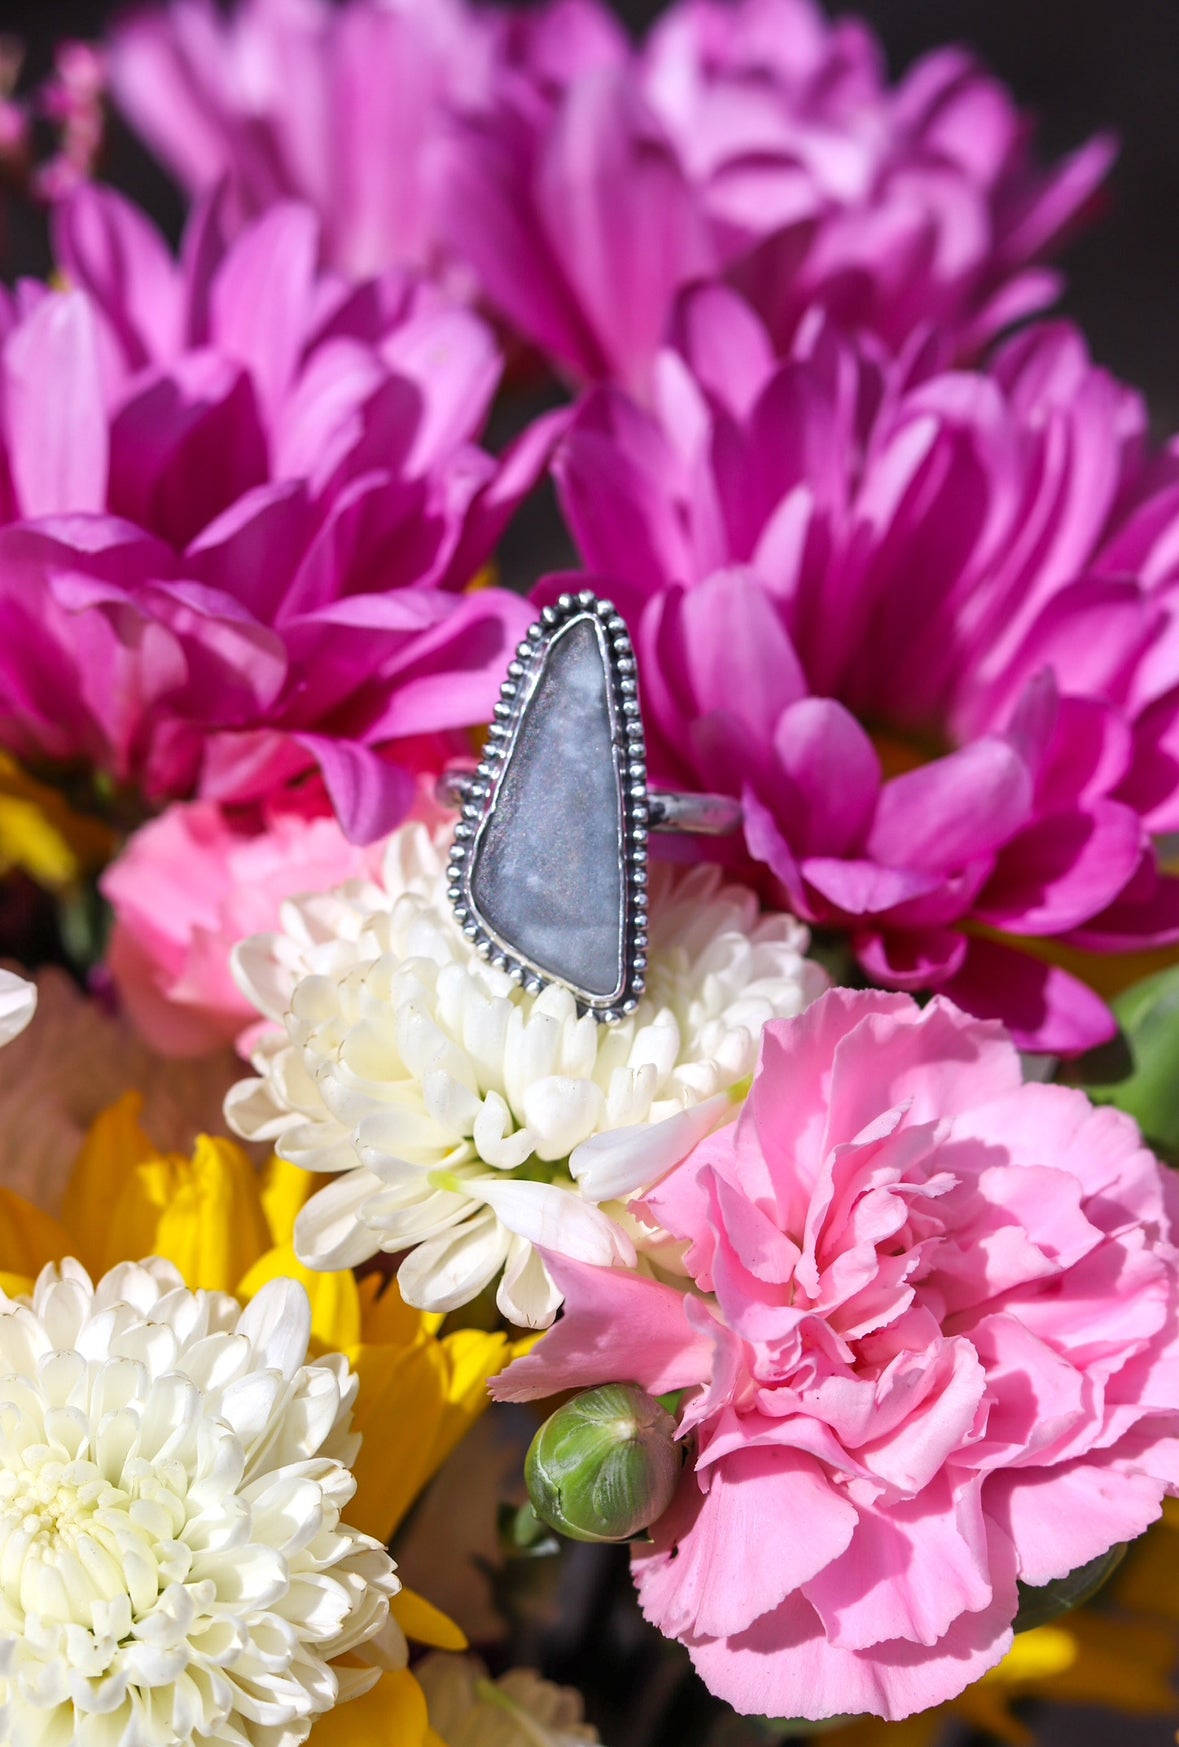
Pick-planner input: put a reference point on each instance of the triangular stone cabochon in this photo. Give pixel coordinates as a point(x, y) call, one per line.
point(547, 866)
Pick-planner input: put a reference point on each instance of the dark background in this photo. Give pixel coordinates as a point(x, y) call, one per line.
point(1079, 64)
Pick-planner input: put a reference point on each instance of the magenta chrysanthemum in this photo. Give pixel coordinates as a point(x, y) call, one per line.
point(586, 182)
point(927, 620)
point(932, 1348)
point(239, 501)
point(343, 107)
point(754, 141)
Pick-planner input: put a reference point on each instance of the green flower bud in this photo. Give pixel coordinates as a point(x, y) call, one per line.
point(604, 1465)
point(1045, 1602)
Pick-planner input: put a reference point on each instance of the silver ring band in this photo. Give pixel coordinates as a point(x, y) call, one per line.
point(670, 811)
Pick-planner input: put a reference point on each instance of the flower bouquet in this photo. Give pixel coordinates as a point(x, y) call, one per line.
point(589, 775)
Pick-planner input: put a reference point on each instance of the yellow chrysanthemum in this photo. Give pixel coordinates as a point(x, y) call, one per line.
point(42, 835)
point(228, 1228)
point(1118, 1655)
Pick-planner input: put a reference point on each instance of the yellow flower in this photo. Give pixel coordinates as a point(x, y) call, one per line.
point(1117, 1654)
point(40, 833)
point(227, 1228)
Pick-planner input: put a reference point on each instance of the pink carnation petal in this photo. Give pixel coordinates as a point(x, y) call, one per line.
point(911, 1570)
point(769, 1521)
point(784, 1665)
point(616, 1328)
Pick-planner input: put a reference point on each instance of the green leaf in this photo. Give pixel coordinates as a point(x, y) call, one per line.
point(1149, 1016)
point(1043, 1603)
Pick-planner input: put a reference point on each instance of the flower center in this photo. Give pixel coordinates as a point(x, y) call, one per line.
point(69, 1538)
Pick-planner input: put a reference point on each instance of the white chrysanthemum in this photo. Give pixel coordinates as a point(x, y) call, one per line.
point(18, 1001)
point(173, 1564)
point(468, 1709)
point(471, 1120)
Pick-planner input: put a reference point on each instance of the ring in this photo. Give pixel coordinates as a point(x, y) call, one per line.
point(548, 867)
point(668, 810)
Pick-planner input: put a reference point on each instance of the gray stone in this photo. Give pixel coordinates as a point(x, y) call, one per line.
point(546, 875)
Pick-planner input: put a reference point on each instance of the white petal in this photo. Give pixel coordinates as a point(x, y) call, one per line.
point(616, 1165)
point(556, 1219)
point(18, 1001)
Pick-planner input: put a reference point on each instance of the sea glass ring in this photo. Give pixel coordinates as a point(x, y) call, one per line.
point(548, 867)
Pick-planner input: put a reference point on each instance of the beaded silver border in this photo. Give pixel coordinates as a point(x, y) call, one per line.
point(630, 763)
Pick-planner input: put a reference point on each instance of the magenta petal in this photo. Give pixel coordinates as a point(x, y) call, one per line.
point(1063, 870)
point(608, 175)
point(54, 410)
point(110, 250)
point(954, 810)
point(1043, 1007)
point(616, 1327)
point(615, 475)
point(740, 657)
point(262, 299)
point(864, 888)
point(913, 959)
point(834, 773)
point(369, 795)
point(726, 345)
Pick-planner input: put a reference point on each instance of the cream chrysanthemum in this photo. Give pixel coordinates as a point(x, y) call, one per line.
point(173, 1564)
point(469, 1709)
point(471, 1121)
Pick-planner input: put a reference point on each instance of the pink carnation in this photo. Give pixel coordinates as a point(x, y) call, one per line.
point(239, 501)
point(752, 140)
point(933, 1348)
point(192, 884)
point(929, 620)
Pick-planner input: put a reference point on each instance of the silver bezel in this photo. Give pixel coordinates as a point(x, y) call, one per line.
point(630, 765)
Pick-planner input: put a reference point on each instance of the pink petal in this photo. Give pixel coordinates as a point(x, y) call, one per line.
point(913, 1567)
point(616, 1327)
point(769, 1521)
point(1061, 1519)
point(784, 1666)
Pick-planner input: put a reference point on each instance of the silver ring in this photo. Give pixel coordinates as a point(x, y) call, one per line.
point(668, 809)
point(548, 867)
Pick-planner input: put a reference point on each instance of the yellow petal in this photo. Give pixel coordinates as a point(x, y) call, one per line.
point(388, 1319)
point(29, 1238)
point(433, 1740)
point(16, 1285)
point(1036, 1655)
point(115, 1145)
point(424, 1623)
point(1122, 1664)
point(335, 1301)
point(393, 1711)
point(399, 1414)
point(213, 1226)
point(285, 1189)
point(471, 1357)
point(40, 833)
